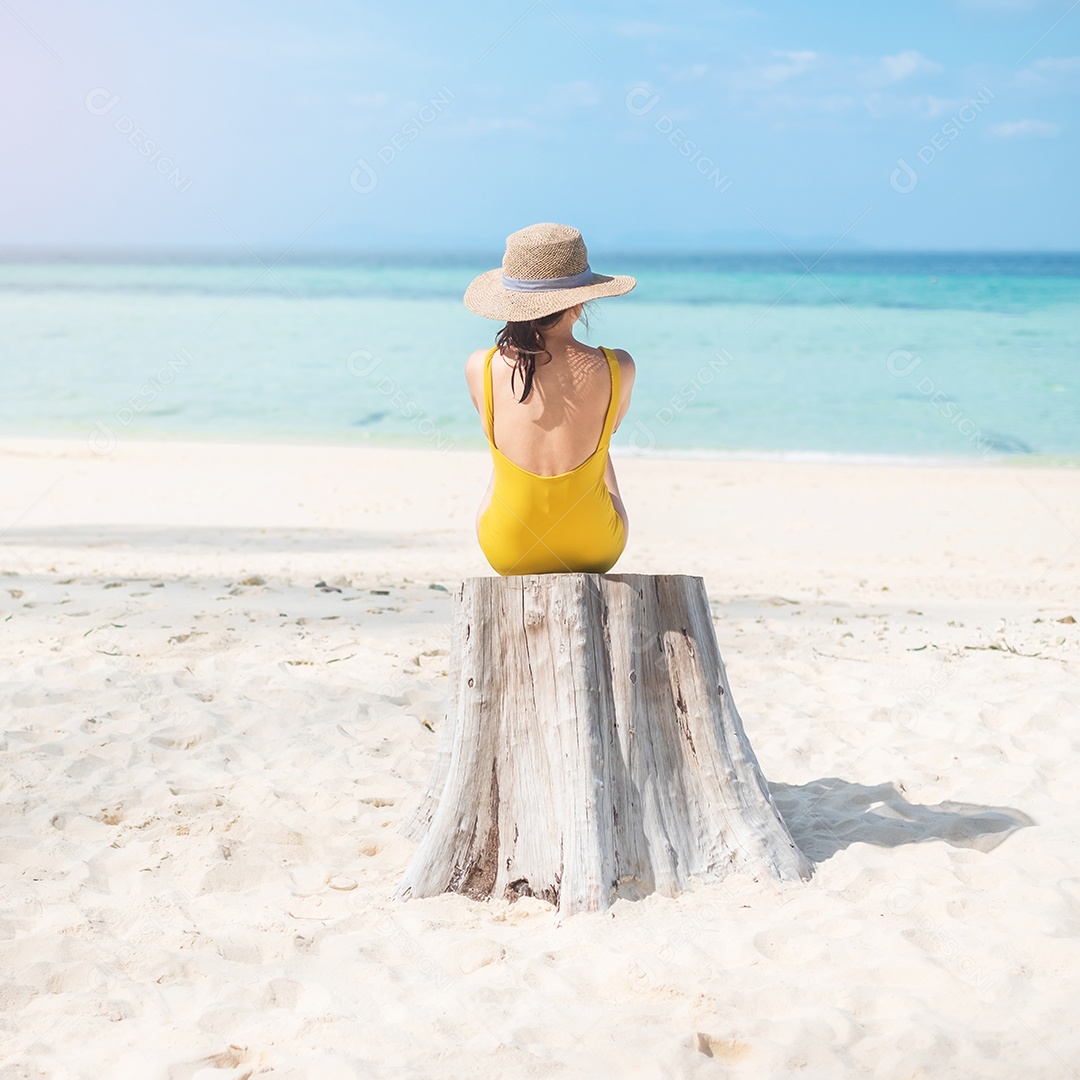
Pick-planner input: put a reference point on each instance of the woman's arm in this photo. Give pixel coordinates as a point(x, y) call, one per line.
point(626, 386)
point(626, 383)
point(474, 377)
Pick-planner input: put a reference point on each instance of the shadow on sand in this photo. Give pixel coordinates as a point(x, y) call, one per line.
point(827, 815)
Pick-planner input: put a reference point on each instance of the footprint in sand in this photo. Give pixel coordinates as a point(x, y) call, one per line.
point(789, 946)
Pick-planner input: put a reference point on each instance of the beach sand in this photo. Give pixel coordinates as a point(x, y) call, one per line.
point(206, 758)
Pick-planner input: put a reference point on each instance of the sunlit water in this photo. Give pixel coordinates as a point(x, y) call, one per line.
point(925, 356)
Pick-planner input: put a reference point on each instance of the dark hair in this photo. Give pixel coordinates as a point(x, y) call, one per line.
point(524, 342)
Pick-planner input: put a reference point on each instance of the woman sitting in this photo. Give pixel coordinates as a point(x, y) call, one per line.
point(548, 409)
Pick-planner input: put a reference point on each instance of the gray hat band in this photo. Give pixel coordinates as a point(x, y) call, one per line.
point(572, 281)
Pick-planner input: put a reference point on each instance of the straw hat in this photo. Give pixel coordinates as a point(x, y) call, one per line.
point(545, 269)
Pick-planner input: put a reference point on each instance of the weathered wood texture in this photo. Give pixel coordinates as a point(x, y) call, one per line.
point(591, 749)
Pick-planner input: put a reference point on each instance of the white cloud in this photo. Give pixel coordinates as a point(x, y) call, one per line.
point(488, 125)
point(904, 65)
point(1025, 129)
point(932, 107)
point(826, 103)
point(369, 101)
point(1057, 63)
point(567, 97)
point(690, 73)
point(790, 65)
point(880, 104)
point(639, 28)
point(1053, 76)
point(833, 74)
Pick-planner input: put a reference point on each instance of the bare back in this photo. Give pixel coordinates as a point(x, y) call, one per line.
point(559, 424)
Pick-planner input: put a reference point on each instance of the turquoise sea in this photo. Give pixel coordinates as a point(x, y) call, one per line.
point(925, 356)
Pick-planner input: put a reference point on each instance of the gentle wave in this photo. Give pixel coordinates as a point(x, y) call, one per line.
point(762, 360)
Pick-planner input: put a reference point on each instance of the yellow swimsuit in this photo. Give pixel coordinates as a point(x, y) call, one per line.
point(552, 524)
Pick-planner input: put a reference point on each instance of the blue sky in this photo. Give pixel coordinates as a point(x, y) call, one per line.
point(648, 125)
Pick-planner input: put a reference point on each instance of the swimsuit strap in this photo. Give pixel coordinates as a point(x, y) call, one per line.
point(489, 399)
point(616, 388)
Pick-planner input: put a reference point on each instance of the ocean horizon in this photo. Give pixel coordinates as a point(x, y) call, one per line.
point(850, 355)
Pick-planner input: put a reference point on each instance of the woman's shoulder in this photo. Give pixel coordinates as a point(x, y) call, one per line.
point(474, 365)
point(626, 362)
point(474, 375)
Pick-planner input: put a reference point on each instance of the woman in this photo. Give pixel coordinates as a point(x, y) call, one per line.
point(548, 405)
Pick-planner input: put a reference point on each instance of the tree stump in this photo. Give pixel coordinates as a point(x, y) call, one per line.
point(591, 749)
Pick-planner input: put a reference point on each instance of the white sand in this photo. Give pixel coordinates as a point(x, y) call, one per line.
point(202, 777)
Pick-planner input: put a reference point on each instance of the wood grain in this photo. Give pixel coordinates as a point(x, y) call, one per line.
point(591, 749)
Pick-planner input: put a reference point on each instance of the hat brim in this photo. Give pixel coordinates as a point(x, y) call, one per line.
point(488, 296)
